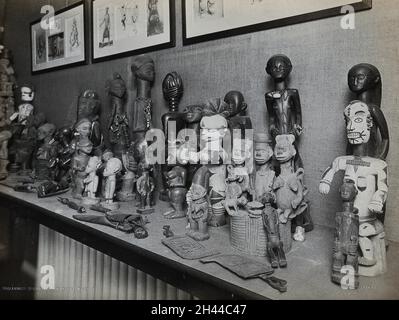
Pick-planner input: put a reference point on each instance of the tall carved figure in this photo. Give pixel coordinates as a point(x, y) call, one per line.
point(172, 122)
point(285, 116)
point(118, 124)
point(370, 178)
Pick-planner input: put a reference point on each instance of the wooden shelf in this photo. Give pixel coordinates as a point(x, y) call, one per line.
point(308, 272)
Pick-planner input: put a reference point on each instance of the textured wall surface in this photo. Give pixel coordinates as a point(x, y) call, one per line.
point(321, 52)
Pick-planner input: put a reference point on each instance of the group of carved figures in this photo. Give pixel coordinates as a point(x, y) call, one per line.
point(264, 179)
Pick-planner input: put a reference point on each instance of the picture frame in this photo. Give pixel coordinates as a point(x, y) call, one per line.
point(131, 27)
point(205, 20)
point(60, 41)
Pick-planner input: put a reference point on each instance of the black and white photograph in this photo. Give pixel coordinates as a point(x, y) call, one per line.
point(41, 46)
point(198, 159)
point(123, 27)
point(74, 31)
point(56, 46)
point(59, 41)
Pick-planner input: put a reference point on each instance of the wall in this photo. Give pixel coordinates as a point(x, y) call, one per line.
point(321, 52)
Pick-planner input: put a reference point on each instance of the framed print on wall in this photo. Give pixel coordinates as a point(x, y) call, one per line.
point(128, 27)
point(205, 20)
point(59, 42)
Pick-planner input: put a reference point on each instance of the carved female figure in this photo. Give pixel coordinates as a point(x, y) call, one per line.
point(47, 150)
point(80, 159)
point(113, 166)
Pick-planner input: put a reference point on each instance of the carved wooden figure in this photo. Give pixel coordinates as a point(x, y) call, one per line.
point(91, 182)
point(5, 136)
point(370, 177)
point(172, 123)
point(365, 81)
point(346, 239)
point(89, 106)
point(113, 166)
point(129, 178)
point(80, 159)
point(23, 131)
point(265, 174)
point(176, 179)
point(289, 189)
point(46, 151)
point(145, 189)
point(118, 125)
point(213, 155)
point(271, 222)
point(198, 206)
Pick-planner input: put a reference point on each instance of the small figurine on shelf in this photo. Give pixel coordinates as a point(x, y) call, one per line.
point(23, 131)
point(5, 136)
point(370, 177)
point(46, 151)
point(118, 124)
point(265, 174)
point(236, 107)
point(91, 182)
point(176, 179)
point(346, 242)
point(89, 108)
point(271, 222)
point(113, 166)
point(80, 160)
point(197, 200)
point(145, 189)
point(289, 190)
point(213, 155)
point(129, 178)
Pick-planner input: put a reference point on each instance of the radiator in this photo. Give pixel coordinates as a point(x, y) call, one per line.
point(82, 273)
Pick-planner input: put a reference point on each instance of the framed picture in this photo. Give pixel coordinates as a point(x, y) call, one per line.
point(205, 20)
point(128, 27)
point(60, 41)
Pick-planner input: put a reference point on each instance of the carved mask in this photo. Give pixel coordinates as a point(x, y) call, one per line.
point(24, 111)
point(285, 150)
point(263, 152)
point(358, 122)
point(27, 94)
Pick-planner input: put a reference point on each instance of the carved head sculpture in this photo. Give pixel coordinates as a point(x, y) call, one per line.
point(235, 102)
point(88, 105)
point(263, 148)
point(112, 167)
point(93, 165)
point(144, 69)
point(116, 87)
point(348, 191)
point(363, 77)
point(213, 128)
point(176, 177)
point(216, 106)
point(83, 128)
point(24, 111)
point(241, 151)
point(107, 155)
point(358, 122)
point(193, 114)
point(279, 67)
point(173, 89)
point(85, 146)
point(27, 93)
point(46, 132)
point(285, 150)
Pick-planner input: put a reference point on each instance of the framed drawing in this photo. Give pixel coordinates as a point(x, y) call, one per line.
point(128, 27)
point(60, 41)
point(205, 20)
